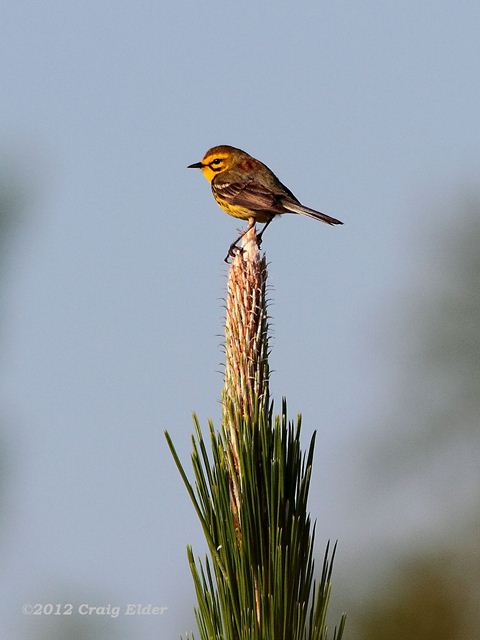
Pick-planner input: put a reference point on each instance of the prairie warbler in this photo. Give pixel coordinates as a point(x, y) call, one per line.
point(246, 188)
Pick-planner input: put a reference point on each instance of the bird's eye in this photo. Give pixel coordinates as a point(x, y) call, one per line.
point(216, 161)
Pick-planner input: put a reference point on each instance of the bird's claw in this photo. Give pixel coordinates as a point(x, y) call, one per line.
point(232, 252)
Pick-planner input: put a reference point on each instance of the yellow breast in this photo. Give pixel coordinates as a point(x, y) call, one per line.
point(233, 209)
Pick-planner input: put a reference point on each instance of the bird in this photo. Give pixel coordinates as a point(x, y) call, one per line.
point(246, 188)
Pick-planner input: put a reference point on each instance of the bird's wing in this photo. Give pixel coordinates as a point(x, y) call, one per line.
point(248, 193)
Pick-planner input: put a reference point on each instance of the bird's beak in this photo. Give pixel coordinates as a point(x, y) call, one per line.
point(196, 165)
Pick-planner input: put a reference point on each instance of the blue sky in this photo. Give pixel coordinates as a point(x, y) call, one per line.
point(112, 296)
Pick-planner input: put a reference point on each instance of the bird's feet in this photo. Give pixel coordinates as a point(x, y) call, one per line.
point(233, 249)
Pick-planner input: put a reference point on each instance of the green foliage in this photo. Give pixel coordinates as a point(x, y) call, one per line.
point(258, 583)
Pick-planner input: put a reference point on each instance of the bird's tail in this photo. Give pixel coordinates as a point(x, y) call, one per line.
point(293, 207)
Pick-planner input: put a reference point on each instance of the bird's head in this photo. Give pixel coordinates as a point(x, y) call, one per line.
point(219, 159)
